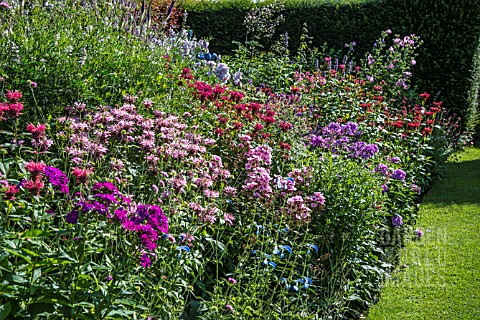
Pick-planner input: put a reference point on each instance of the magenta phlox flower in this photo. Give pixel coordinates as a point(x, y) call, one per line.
point(149, 238)
point(57, 178)
point(145, 261)
point(121, 215)
point(105, 198)
point(157, 219)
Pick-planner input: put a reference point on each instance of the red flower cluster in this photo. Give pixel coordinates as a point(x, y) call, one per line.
point(36, 170)
point(13, 108)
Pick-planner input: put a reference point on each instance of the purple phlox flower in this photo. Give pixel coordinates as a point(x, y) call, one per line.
point(350, 129)
point(106, 186)
point(229, 307)
point(232, 280)
point(109, 278)
point(419, 232)
point(121, 215)
point(369, 151)
point(382, 169)
point(72, 217)
point(399, 174)
point(416, 188)
point(57, 178)
point(397, 220)
point(384, 188)
point(395, 159)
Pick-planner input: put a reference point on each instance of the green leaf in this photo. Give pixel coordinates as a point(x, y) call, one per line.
point(36, 233)
point(129, 302)
point(5, 310)
point(18, 255)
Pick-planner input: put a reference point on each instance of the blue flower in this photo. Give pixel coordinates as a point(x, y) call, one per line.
point(288, 248)
point(314, 247)
point(180, 248)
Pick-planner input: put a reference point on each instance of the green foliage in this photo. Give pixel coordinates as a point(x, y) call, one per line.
point(202, 195)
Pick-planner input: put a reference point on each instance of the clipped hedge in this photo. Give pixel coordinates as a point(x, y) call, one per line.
point(450, 30)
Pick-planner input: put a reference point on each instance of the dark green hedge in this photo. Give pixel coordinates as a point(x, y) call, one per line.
point(450, 30)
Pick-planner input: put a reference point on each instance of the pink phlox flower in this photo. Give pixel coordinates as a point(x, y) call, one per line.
point(229, 218)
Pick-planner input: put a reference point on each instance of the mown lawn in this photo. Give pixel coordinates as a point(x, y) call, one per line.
point(439, 275)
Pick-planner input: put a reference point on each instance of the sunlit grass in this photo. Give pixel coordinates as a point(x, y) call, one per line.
point(439, 276)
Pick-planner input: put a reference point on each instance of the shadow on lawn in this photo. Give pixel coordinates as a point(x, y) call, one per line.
point(460, 184)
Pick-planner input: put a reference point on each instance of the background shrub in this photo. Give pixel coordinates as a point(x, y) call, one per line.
point(449, 28)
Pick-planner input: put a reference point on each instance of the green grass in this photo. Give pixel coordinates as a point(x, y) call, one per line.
point(439, 275)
